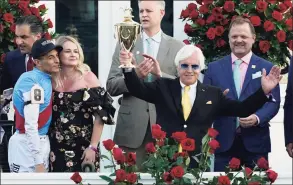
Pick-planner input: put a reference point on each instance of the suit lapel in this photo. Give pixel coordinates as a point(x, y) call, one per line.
point(138, 50)
point(249, 72)
point(176, 94)
point(228, 74)
point(200, 97)
point(163, 49)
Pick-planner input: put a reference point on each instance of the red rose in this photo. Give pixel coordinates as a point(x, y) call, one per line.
point(1, 28)
point(282, 7)
point(223, 180)
point(289, 23)
point(268, 26)
point(167, 177)
point(281, 36)
point(210, 19)
point(109, 144)
point(290, 45)
point(187, 28)
point(203, 9)
point(184, 14)
point(199, 2)
point(261, 6)
point(264, 45)
point(224, 22)
point(47, 36)
point(216, 11)
point(160, 142)
point(246, 1)
point(272, 175)
point(288, 3)
point(50, 24)
point(272, 1)
point(234, 163)
point(219, 18)
point(277, 15)
point(156, 126)
point(254, 183)
point(12, 28)
point(211, 33)
point(188, 144)
point(186, 41)
point(35, 11)
point(131, 177)
point(23, 5)
point(12, 1)
point(76, 178)
point(207, 2)
point(248, 172)
point(220, 43)
point(26, 11)
point(42, 7)
point(191, 7)
point(120, 175)
point(213, 133)
point(180, 154)
point(199, 46)
point(118, 155)
point(3, 57)
point(229, 6)
point(158, 134)
point(219, 30)
point(193, 15)
point(8, 17)
point(179, 136)
point(200, 21)
point(131, 159)
point(255, 20)
point(214, 144)
point(177, 172)
point(150, 148)
point(263, 163)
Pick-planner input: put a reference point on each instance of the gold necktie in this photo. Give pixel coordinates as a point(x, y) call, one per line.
point(186, 104)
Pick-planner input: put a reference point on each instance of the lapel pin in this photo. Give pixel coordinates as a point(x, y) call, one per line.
point(137, 52)
point(253, 66)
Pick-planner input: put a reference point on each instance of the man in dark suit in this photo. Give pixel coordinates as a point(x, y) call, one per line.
point(245, 138)
point(288, 112)
point(28, 29)
point(185, 104)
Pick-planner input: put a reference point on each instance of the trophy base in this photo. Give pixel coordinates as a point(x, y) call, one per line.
point(127, 66)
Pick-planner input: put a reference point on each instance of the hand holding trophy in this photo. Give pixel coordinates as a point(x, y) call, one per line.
point(127, 32)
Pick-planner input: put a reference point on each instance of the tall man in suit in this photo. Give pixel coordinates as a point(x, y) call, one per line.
point(246, 138)
point(28, 29)
point(135, 115)
point(185, 104)
point(288, 109)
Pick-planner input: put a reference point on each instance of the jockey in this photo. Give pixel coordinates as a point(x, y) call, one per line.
point(29, 147)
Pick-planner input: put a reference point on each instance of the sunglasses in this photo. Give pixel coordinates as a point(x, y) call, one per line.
point(186, 66)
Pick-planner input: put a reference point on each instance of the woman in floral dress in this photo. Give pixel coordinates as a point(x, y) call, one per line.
point(80, 109)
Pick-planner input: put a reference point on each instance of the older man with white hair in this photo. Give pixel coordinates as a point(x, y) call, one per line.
point(185, 104)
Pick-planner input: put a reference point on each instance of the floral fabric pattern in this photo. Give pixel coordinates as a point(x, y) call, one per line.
point(72, 126)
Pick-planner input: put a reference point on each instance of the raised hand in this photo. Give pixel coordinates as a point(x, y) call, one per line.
point(144, 68)
point(126, 59)
point(156, 70)
point(270, 81)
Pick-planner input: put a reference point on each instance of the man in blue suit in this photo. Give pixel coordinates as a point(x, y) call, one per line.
point(28, 29)
point(248, 138)
point(288, 112)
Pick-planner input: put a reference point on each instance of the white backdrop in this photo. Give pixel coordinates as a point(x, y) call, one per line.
point(109, 14)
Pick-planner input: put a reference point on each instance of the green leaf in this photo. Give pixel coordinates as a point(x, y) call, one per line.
point(10, 47)
point(108, 179)
point(238, 11)
point(105, 157)
point(109, 166)
point(179, 160)
point(186, 180)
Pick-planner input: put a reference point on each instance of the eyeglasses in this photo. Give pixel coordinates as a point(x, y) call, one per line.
point(186, 66)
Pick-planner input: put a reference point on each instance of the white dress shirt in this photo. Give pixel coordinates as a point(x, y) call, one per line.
point(156, 42)
point(191, 93)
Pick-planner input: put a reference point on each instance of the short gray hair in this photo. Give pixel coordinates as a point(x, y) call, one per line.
point(186, 51)
point(160, 2)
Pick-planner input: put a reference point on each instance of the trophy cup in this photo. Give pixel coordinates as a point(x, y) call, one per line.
point(127, 32)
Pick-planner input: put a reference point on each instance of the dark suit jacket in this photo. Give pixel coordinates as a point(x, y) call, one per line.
point(288, 107)
point(166, 95)
point(256, 139)
point(14, 66)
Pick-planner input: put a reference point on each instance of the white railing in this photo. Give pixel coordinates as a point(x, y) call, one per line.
point(93, 178)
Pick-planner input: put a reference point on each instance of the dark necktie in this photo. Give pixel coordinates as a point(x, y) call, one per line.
point(30, 64)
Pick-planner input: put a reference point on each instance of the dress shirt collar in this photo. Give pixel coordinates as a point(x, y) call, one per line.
point(157, 37)
point(245, 59)
point(193, 86)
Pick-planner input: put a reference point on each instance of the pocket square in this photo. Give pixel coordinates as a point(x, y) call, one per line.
point(256, 75)
point(209, 102)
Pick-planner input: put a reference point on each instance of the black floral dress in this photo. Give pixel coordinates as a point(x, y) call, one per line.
point(72, 125)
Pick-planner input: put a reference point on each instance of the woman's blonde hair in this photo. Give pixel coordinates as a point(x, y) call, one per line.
point(81, 67)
